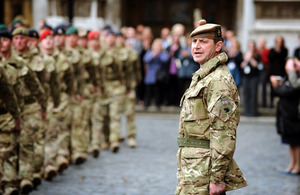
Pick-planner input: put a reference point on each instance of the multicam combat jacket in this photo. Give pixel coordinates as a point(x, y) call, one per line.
point(210, 112)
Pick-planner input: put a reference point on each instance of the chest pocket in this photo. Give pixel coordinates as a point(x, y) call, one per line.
point(195, 107)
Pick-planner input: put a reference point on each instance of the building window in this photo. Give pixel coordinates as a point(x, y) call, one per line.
point(102, 8)
point(277, 9)
point(82, 8)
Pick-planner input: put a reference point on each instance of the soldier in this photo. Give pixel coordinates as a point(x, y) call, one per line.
point(10, 123)
point(99, 118)
point(51, 86)
point(34, 109)
point(208, 121)
point(33, 39)
point(132, 71)
point(62, 115)
point(113, 82)
point(78, 137)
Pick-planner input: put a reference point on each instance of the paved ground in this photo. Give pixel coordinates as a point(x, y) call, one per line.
point(150, 169)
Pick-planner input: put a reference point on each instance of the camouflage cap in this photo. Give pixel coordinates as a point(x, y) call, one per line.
point(72, 30)
point(20, 31)
point(204, 30)
point(33, 33)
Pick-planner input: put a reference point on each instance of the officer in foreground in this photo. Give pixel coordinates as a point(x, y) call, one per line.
point(208, 121)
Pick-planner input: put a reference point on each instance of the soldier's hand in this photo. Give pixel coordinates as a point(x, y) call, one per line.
point(18, 122)
point(216, 189)
point(95, 89)
point(79, 98)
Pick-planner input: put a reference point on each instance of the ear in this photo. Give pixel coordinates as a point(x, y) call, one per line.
point(219, 46)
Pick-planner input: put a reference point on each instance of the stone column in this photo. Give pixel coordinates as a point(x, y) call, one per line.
point(40, 11)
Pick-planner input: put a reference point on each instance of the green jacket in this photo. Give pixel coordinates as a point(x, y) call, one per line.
point(210, 111)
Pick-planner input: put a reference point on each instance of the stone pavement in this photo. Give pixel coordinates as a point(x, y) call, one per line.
point(150, 169)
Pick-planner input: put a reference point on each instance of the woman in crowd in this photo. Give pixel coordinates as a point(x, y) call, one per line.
point(154, 58)
point(288, 121)
point(250, 79)
point(277, 57)
point(235, 58)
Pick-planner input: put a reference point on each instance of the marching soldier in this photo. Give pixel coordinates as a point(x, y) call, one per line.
point(131, 68)
point(33, 112)
point(78, 133)
point(62, 116)
point(113, 82)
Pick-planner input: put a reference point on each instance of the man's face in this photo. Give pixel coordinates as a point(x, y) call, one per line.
point(59, 40)
point(33, 42)
point(204, 49)
point(94, 43)
point(110, 40)
point(5, 44)
point(72, 40)
point(20, 42)
point(82, 42)
point(47, 42)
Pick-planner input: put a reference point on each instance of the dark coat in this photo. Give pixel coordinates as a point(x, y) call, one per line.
point(288, 120)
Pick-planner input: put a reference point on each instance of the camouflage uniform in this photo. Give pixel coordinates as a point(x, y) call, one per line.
point(49, 80)
point(58, 141)
point(207, 131)
point(112, 78)
point(99, 110)
point(34, 104)
point(28, 91)
point(132, 75)
point(79, 142)
point(9, 111)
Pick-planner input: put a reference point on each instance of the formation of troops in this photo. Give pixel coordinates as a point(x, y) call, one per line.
point(62, 94)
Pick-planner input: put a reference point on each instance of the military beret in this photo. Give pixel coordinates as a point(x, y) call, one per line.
point(106, 27)
point(82, 33)
point(72, 30)
point(119, 34)
point(59, 30)
point(20, 31)
point(45, 33)
point(46, 26)
point(4, 32)
point(207, 30)
point(110, 32)
point(93, 35)
point(16, 21)
point(33, 33)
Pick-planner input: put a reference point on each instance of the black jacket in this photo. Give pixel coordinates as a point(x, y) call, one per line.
point(288, 120)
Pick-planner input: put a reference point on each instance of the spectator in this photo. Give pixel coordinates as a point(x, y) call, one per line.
point(174, 51)
point(297, 51)
point(277, 57)
point(188, 66)
point(133, 41)
point(265, 73)
point(287, 117)
point(235, 58)
point(154, 59)
point(164, 35)
point(250, 79)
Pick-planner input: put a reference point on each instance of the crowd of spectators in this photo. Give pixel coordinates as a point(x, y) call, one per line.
point(167, 66)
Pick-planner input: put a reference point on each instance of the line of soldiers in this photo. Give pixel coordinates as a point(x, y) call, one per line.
point(62, 95)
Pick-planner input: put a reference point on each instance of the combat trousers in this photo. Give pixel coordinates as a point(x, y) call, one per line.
point(63, 115)
point(98, 122)
point(39, 140)
point(32, 122)
point(80, 127)
point(129, 110)
point(8, 151)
